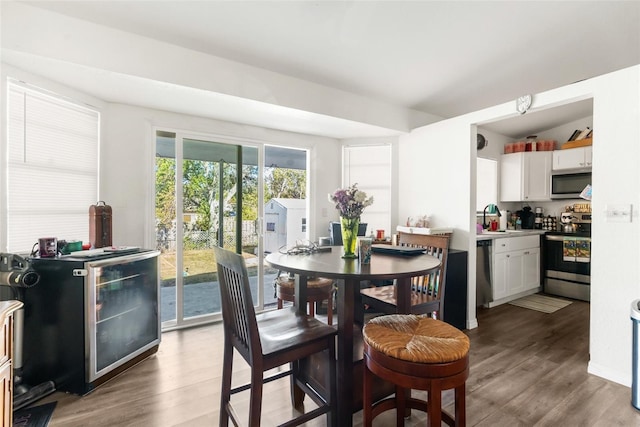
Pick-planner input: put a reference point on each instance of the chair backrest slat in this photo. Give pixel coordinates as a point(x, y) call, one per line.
point(238, 314)
point(438, 246)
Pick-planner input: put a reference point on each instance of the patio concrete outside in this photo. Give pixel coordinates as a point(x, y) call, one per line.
point(204, 298)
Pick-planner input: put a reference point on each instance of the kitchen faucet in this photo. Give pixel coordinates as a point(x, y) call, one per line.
point(484, 214)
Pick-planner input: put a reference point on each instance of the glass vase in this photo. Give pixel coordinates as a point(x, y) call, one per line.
point(349, 227)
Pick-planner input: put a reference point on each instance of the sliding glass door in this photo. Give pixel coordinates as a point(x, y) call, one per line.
point(211, 193)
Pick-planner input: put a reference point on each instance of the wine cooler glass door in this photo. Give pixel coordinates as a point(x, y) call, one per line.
point(122, 308)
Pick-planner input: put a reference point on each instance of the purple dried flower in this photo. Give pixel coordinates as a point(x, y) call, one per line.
point(350, 201)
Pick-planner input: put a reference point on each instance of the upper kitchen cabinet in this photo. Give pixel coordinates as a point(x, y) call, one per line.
point(572, 158)
point(525, 176)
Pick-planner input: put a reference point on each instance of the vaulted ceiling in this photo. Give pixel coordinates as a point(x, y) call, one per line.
point(444, 58)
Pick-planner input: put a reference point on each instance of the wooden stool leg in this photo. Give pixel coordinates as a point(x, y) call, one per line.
point(330, 310)
point(312, 311)
point(279, 304)
point(460, 406)
point(435, 404)
point(367, 383)
point(401, 400)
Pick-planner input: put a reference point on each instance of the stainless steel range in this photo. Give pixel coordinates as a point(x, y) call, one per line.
point(567, 260)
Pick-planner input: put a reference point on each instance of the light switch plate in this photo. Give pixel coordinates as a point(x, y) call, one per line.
point(618, 212)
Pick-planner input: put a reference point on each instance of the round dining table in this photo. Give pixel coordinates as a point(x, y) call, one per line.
point(349, 273)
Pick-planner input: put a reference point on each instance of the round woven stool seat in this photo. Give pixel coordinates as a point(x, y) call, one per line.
point(416, 338)
point(318, 289)
point(320, 282)
point(415, 352)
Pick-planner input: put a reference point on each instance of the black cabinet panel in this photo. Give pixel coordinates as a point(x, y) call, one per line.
point(455, 293)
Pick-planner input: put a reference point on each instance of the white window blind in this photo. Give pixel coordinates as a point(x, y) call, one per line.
point(370, 167)
point(52, 168)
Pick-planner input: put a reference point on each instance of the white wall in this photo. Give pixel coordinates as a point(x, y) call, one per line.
point(444, 149)
point(437, 163)
point(495, 147)
point(615, 275)
point(434, 177)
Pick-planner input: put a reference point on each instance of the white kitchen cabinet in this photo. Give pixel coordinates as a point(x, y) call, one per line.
point(531, 268)
point(525, 176)
point(502, 275)
point(516, 267)
point(573, 158)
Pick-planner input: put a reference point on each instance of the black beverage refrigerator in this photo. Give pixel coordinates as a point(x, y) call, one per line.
point(91, 317)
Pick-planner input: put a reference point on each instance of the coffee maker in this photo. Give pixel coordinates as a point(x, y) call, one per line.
point(527, 218)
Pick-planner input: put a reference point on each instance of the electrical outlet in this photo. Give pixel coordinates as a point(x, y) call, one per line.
point(618, 212)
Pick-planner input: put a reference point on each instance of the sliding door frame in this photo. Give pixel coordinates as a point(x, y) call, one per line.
point(180, 135)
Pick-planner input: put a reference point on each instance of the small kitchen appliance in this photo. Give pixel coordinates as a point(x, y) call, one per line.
point(567, 218)
point(527, 217)
point(568, 184)
point(538, 219)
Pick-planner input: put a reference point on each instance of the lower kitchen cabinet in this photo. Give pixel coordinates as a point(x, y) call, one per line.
point(7, 310)
point(516, 267)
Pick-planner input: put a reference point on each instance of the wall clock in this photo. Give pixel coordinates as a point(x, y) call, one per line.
point(523, 103)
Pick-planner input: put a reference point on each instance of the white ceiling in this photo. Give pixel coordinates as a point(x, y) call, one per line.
point(445, 58)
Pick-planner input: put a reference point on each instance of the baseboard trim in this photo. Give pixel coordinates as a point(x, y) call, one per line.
point(609, 374)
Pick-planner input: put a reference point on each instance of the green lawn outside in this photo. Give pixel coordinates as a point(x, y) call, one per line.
point(199, 264)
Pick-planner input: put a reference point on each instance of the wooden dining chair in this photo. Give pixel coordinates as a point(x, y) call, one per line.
point(266, 341)
point(427, 295)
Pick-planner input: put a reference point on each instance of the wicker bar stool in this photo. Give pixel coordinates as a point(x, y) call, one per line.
point(318, 290)
point(415, 352)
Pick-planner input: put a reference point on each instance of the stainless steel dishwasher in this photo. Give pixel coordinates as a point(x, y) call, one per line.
point(483, 272)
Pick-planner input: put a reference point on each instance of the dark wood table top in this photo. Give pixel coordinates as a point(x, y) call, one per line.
point(332, 265)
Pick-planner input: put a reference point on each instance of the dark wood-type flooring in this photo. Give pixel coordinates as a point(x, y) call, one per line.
point(527, 369)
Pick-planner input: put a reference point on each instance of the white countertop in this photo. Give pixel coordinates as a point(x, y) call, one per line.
point(509, 233)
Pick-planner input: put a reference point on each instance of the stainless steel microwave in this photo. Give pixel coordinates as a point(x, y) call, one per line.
point(568, 184)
